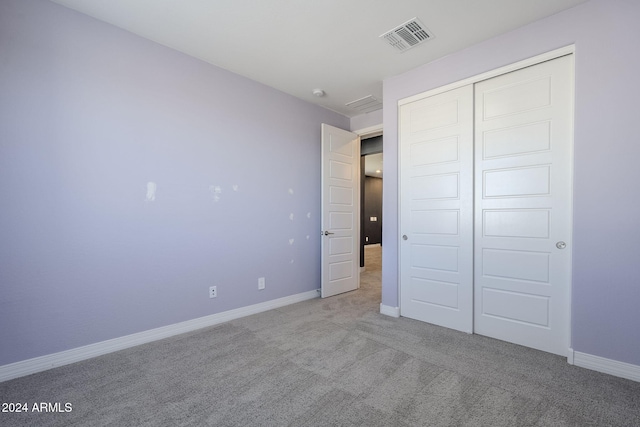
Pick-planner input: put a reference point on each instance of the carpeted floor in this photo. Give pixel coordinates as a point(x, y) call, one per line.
point(331, 362)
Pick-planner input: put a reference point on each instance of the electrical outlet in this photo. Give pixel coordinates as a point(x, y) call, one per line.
point(213, 291)
point(261, 283)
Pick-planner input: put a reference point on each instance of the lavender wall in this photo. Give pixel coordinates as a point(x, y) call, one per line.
point(606, 252)
point(88, 115)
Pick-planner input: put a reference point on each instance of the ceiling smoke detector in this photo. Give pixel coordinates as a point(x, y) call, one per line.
point(408, 35)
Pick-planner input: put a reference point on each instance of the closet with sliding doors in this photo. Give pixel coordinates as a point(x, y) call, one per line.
point(485, 205)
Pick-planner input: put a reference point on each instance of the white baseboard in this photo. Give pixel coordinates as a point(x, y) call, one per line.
point(387, 310)
point(607, 366)
point(49, 361)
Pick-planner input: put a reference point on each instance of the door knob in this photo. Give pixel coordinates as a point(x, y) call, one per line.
point(326, 233)
point(561, 245)
point(404, 237)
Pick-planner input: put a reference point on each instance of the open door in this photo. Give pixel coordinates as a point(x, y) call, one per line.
point(340, 257)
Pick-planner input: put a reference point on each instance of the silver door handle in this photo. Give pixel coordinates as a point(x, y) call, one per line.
point(404, 237)
point(561, 245)
point(326, 233)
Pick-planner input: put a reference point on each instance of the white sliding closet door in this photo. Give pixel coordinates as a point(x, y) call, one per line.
point(485, 206)
point(436, 134)
point(523, 133)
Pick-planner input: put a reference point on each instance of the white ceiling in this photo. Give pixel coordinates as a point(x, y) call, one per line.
point(299, 45)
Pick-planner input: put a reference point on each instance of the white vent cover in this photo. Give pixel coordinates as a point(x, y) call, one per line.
point(365, 105)
point(410, 34)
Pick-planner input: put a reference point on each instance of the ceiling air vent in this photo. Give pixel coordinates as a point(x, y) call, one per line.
point(365, 105)
point(410, 34)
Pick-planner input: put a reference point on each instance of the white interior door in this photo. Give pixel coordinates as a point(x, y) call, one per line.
point(340, 211)
point(436, 185)
point(523, 178)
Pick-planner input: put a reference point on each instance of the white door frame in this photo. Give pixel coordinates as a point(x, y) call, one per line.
point(557, 53)
point(369, 132)
point(567, 50)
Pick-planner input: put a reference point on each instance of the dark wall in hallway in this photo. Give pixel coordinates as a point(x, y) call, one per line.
point(372, 209)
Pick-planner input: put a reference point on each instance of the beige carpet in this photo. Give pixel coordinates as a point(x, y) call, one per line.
point(373, 257)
